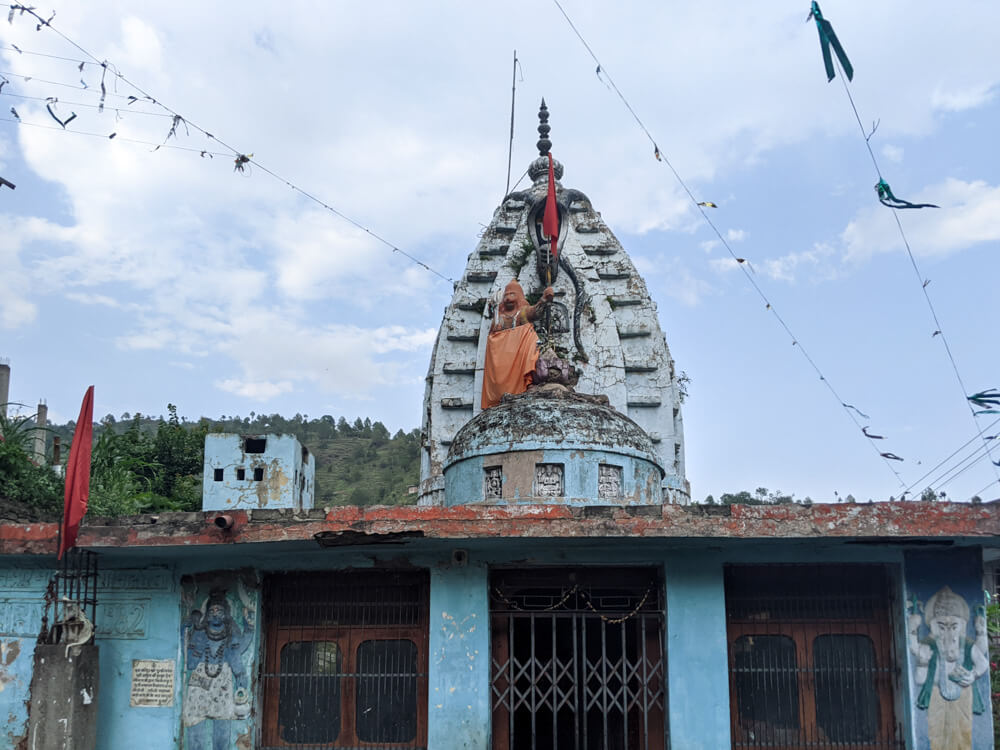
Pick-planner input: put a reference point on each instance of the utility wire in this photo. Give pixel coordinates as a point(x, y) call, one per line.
point(83, 104)
point(241, 158)
point(938, 328)
point(114, 136)
point(18, 50)
point(945, 460)
point(741, 262)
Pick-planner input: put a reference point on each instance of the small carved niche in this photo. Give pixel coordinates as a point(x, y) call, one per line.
point(609, 482)
point(492, 482)
point(549, 480)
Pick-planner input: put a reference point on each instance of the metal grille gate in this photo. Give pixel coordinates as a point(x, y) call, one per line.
point(578, 660)
point(345, 662)
point(811, 658)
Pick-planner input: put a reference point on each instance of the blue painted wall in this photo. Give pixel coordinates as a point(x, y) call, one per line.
point(697, 653)
point(641, 479)
point(137, 618)
point(289, 473)
point(21, 585)
point(459, 647)
point(144, 609)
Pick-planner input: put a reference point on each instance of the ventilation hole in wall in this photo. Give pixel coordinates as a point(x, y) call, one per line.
point(241, 474)
point(258, 474)
point(218, 475)
point(254, 445)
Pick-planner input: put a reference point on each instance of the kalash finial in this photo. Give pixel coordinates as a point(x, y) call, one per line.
point(544, 144)
point(539, 168)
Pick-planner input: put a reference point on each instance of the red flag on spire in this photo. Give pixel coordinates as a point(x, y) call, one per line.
point(550, 219)
point(78, 474)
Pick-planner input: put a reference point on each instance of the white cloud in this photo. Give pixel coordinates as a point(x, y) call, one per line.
point(969, 214)
point(708, 246)
point(968, 97)
point(816, 261)
point(260, 391)
point(892, 153)
point(736, 235)
point(723, 265)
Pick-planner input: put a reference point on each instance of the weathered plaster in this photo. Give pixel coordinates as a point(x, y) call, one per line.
point(875, 521)
point(458, 710)
point(288, 481)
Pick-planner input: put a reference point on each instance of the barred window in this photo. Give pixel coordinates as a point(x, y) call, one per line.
point(811, 662)
point(345, 660)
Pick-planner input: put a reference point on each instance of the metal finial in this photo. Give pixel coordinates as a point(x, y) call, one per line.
point(544, 144)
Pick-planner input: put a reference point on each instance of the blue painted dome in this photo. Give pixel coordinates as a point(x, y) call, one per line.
point(552, 445)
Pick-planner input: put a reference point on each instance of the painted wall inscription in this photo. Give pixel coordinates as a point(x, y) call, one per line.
point(218, 630)
point(152, 682)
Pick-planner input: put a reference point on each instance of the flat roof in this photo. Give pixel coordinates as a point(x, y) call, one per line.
point(356, 525)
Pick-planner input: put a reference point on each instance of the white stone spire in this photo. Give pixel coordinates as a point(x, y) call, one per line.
point(603, 320)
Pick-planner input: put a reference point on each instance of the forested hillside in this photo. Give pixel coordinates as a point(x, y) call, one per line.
point(142, 463)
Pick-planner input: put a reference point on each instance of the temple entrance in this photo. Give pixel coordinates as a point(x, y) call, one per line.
point(578, 660)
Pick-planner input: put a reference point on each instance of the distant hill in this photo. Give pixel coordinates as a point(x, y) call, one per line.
point(143, 463)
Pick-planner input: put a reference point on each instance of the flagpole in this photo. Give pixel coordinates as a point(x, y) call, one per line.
point(510, 145)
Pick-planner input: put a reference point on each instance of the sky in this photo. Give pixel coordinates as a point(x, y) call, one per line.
point(168, 276)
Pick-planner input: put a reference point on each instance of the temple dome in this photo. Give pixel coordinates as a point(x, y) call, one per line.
point(552, 445)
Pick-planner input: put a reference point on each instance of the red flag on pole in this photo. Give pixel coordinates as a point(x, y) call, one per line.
point(78, 474)
point(550, 219)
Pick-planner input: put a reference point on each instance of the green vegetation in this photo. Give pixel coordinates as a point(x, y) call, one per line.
point(22, 482)
point(144, 464)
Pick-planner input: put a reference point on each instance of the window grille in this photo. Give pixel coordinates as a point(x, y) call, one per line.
point(578, 660)
point(345, 660)
point(811, 659)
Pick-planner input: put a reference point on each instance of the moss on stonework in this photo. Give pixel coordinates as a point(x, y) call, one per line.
point(517, 262)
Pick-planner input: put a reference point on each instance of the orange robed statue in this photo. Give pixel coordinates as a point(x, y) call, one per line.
point(512, 348)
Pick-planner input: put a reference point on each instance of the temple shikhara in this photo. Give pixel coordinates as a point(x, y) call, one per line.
point(552, 589)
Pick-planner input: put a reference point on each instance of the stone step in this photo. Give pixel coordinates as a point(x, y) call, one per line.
point(481, 277)
point(587, 229)
point(453, 369)
point(608, 276)
point(469, 338)
point(455, 403)
point(474, 306)
point(639, 368)
point(623, 302)
point(505, 228)
point(494, 252)
point(578, 208)
point(644, 403)
point(513, 205)
point(600, 250)
point(638, 333)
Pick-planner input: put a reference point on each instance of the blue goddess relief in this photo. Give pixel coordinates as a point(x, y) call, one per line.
point(217, 690)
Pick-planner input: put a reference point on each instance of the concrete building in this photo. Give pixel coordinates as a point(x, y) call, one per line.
point(547, 595)
point(257, 471)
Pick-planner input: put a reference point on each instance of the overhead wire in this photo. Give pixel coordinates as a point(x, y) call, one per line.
point(921, 279)
point(241, 158)
point(115, 137)
point(947, 458)
point(740, 262)
point(84, 104)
